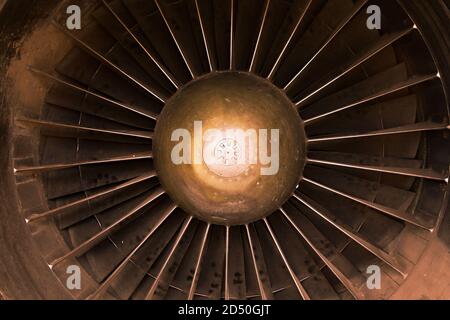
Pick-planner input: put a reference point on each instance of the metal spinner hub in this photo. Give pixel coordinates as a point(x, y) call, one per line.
point(229, 148)
point(225, 162)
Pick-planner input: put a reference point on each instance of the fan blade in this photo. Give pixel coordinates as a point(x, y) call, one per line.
point(151, 56)
point(83, 90)
point(411, 128)
point(336, 31)
point(288, 42)
point(390, 260)
point(109, 63)
point(169, 260)
point(60, 166)
point(177, 43)
point(403, 216)
point(59, 210)
point(84, 247)
point(356, 293)
point(383, 43)
point(105, 284)
point(294, 277)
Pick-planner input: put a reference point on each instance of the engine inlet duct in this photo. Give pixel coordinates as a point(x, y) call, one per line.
point(224, 149)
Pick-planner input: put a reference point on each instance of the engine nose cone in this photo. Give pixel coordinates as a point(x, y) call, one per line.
point(229, 148)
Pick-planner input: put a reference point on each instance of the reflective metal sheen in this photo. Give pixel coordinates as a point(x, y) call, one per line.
point(229, 192)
